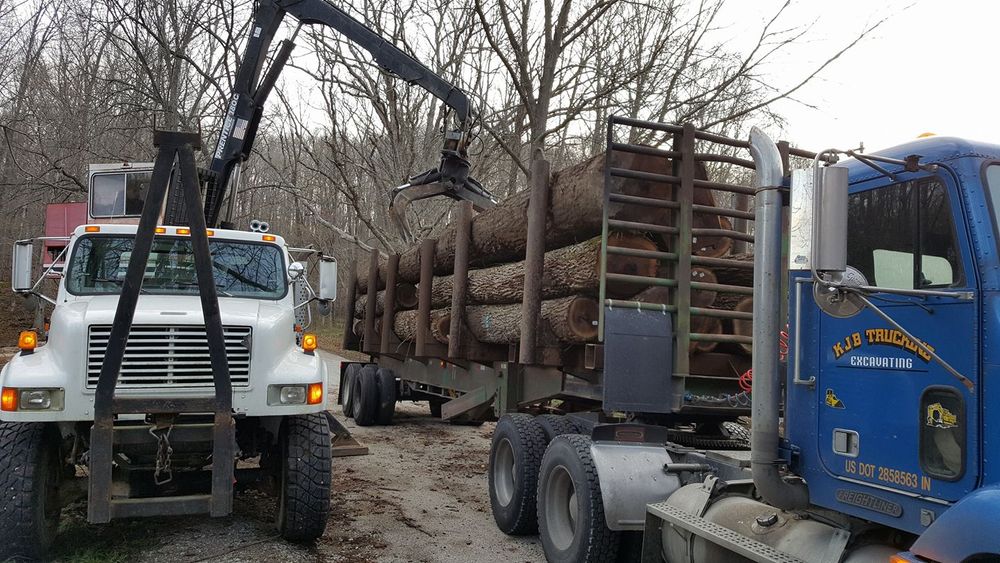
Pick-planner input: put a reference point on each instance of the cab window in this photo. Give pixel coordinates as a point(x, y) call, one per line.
point(119, 194)
point(902, 236)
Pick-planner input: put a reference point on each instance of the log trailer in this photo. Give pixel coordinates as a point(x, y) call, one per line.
point(872, 284)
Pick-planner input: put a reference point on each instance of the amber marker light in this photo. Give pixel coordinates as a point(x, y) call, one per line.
point(269, 238)
point(160, 230)
point(309, 342)
point(27, 340)
point(183, 231)
point(91, 229)
point(315, 393)
point(8, 399)
point(210, 232)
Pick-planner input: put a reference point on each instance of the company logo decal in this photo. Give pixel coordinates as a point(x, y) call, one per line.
point(869, 501)
point(832, 400)
point(880, 337)
point(940, 417)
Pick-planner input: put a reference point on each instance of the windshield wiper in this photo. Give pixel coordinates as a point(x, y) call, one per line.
point(218, 287)
point(118, 282)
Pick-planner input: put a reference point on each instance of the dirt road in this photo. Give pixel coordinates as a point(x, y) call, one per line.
point(420, 495)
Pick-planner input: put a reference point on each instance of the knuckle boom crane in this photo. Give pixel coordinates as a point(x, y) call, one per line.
point(251, 89)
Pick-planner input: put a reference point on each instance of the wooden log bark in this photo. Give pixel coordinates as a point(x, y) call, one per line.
point(405, 325)
point(734, 275)
point(575, 213)
point(406, 298)
point(565, 320)
point(744, 327)
point(571, 270)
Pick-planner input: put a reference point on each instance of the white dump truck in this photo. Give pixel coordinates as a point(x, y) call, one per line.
point(162, 455)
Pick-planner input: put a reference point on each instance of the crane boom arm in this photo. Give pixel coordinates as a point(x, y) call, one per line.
point(250, 91)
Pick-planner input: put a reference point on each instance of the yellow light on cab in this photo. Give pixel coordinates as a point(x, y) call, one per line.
point(309, 342)
point(91, 229)
point(160, 230)
point(269, 238)
point(8, 399)
point(27, 340)
point(183, 231)
point(210, 232)
point(315, 394)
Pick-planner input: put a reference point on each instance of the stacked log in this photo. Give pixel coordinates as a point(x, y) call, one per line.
point(571, 263)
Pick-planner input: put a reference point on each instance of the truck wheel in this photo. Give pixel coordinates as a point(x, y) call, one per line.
point(30, 475)
point(347, 393)
point(570, 509)
point(556, 425)
point(386, 395)
point(304, 493)
point(366, 396)
point(516, 451)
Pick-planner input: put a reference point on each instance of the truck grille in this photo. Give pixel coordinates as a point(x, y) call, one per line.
point(170, 356)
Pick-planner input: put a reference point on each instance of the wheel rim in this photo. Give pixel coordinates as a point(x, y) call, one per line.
point(561, 508)
point(504, 472)
point(347, 390)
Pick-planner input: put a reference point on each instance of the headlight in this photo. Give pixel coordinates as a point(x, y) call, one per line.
point(292, 395)
point(14, 399)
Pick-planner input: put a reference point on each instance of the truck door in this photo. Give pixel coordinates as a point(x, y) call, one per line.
point(889, 414)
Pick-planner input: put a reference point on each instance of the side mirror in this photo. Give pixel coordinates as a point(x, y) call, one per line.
point(21, 268)
point(327, 279)
point(296, 270)
point(829, 252)
point(818, 226)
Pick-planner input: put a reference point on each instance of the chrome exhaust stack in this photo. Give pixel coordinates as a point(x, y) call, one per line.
point(766, 394)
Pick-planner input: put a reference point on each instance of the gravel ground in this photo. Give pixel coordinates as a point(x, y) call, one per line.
point(420, 495)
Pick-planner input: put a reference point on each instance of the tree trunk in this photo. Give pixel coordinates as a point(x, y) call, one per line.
point(405, 325)
point(565, 320)
point(406, 298)
point(733, 275)
point(576, 197)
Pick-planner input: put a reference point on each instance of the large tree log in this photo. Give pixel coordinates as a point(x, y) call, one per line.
point(734, 275)
point(564, 320)
point(405, 325)
point(406, 298)
point(571, 270)
point(575, 213)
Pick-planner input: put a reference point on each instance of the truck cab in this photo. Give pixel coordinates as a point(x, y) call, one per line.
point(906, 440)
point(163, 452)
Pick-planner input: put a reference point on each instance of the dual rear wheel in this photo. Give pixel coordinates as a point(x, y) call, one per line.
point(369, 394)
point(542, 480)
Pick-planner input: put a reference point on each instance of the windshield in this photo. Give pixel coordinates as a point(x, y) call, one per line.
point(241, 269)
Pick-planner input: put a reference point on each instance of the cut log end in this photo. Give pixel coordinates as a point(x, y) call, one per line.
point(582, 318)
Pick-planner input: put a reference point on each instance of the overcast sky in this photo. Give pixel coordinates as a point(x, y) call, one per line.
point(926, 69)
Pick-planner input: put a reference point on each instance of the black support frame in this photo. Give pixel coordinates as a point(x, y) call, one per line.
point(173, 147)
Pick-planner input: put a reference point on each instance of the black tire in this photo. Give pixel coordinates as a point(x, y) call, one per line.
point(515, 454)
point(30, 476)
point(366, 396)
point(567, 473)
point(386, 395)
point(347, 393)
point(306, 473)
point(555, 425)
point(435, 407)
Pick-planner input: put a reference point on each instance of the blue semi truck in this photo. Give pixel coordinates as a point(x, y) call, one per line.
point(875, 295)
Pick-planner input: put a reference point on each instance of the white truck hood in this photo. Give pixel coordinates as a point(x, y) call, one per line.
point(171, 309)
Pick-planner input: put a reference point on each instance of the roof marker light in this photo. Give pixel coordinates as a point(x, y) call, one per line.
point(91, 229)
point(183, 231)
